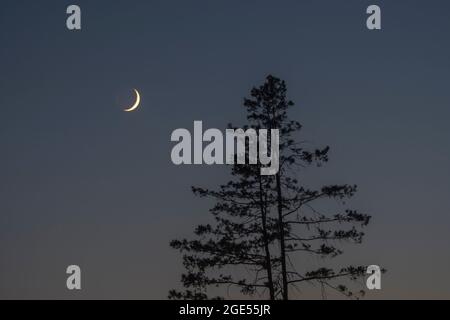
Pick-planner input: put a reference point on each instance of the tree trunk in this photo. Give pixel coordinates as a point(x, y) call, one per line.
point(266, 242)
point(281, 232)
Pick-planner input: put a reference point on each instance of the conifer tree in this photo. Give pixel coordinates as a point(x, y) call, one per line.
point(264, 224)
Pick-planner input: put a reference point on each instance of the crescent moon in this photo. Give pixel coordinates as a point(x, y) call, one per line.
point(136, 104)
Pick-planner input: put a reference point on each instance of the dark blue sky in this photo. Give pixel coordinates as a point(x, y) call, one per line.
point(82, 182)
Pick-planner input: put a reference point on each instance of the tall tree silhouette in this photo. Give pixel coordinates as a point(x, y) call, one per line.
point(263, 222)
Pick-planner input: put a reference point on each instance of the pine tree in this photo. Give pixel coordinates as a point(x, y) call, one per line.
point(263, 222)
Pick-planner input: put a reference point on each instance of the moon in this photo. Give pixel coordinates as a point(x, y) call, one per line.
point(136, 104)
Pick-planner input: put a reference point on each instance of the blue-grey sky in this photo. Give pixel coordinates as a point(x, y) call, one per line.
point(82, 182)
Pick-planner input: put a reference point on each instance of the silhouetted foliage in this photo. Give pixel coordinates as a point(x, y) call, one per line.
point(263, 222)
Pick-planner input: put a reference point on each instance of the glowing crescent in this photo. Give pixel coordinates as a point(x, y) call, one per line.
point(136, 104)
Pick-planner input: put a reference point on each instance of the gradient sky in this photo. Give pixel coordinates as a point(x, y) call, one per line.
point(82, 182)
